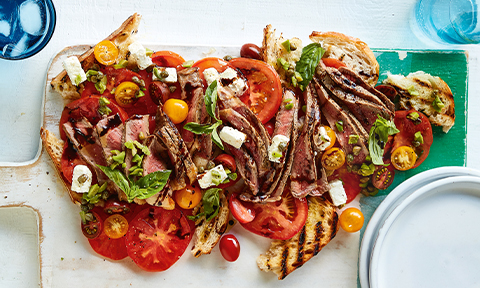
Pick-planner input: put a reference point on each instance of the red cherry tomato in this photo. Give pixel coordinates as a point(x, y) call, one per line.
point(252, 51)
point(227, 161)
point(332, 62)
point(229, 247)
point(211, 62)
point(408, 128)
point(266, 91)
point(278, 220)
point(114, 206)
point(114, 249)
point(167, 59)
point(383, 176)
point(157, 238)
point(87, 107)
point(92, 229)
point(239, 211)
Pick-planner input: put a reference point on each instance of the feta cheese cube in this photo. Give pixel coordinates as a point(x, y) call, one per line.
point(212, 177)
point(82, 179)
point(139, 53)
point(229, 73)
point(210, 75)
point(237, 86)
point(337, 193)
point(74, 70)
point(171, 78)
point(232, 136)
point(324, 139)
point(275, 150)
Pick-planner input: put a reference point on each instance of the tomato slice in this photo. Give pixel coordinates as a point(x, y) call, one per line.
point(115, 226)
point(87, 107)
point(70, 159)
point(403, 158)
point(333, 158)
point(106, 52)
point(383, 176)
point(350, 180)
point(278, 220)
point(266, 91)
point(125, 93)
point(157, 238)
point(114, 206)
point(332, 62)
point(167, 59)
point(93, 228)
point(211, 62)
point(188, 197)
point(227, 161)
point(408, 128)
point(239, 211)
point(114, 249)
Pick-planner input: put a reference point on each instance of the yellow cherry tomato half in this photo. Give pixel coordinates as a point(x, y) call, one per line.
point(176, 110)
point(106, 52)
point(188, 197)
point(331, 135)
point(115, 226)
point(125, 93)
point(351, 220)
point(333, 158)
point(403, 158)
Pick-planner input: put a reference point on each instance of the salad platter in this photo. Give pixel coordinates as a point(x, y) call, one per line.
point(65, 253)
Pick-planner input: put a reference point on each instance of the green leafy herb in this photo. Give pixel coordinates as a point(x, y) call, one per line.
point(353, 139)
point(437, 104)
point(378, 136)
point(339, 125)
point(143, 188)
point(311, 56)
point(286, 45)
point(211, 204)
point(211, 97)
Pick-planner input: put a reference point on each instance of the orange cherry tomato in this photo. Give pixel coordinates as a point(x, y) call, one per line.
point(115, 226)
point(403, 158)
point(106, 52)
point(331, 135)
point(176, 110)
point(332, 62)
point(351, 220)
point(333, 158)
point(188, 197)
point(125, 93)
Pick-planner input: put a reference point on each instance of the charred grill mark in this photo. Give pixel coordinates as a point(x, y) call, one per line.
point(334, 225)
point(319, 230)
point(301, 246)
point(284, 263)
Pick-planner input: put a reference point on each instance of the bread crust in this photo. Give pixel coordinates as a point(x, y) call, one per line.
point(352, 51)
point(122, 37)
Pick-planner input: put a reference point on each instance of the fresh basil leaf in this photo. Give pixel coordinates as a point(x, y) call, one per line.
point(152, 183)
point(377, 138)
point(211, 203)
point(311, 56)
point(117, 177)
point(200, 128)
point(211, 99)
point(216, 139)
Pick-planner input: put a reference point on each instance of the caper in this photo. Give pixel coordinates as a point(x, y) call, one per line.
point(364, 179)
point(84, 207)
point(356, 150)
point(89, 216)
point(293, 46)
point(90, 206)
point(141, 136)
point(350, 158)
point(95, 67)
point(93, 79)
point(164, 73)
point(210, 165)
point(83, 201)
point(416, 143)
point(105, 195)
point(172, 88)
point(83, 178)
point(227, 58)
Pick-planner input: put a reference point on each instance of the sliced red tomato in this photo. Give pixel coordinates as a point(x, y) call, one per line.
point(388, 90)
point(167, 59)
point(350, 180)
point(70, 159)
point(239, 211)
point(266, 91)
point(157, 238)
point(408, 128)
point(332, 62)
point(114, 249)
point(211, 62)
point(92, 228)
point(278, 220)
point(270, 127)
point(87, 107)
point(383, 176)
point(115, 206)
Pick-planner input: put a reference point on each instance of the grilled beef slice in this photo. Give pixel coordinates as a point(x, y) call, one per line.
point(134, 127)
point(110, 133)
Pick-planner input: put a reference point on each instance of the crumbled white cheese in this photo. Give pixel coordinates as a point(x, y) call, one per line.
point(82, 179)
point(229, 73)
point(171, 78)
point(232, 136)
point(210, 75)
point(275, 150)
point(337, 193)
point(324, 138)
point(237, 86)
point(139, 53)
point(74, 70)
point(212, 177)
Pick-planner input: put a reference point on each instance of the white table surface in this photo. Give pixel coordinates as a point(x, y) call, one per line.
point(381, 24)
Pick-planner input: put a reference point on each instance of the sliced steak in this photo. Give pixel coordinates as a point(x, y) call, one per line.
point(304, 173)
point(246, 167)
point(177, 150)
point(189, 80)
point(135, 127)
point(334, 113)
point(110, 132)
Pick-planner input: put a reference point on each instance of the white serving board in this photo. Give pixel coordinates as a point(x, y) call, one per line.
point(65, 258)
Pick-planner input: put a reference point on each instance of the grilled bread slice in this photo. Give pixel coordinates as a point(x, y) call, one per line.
point(284, 256)
point(122, 37)
point(352, 51)
point(272, 49)
point(419, 90)
point(208, 233)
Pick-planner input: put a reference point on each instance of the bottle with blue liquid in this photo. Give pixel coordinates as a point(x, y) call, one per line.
point(25, 27)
